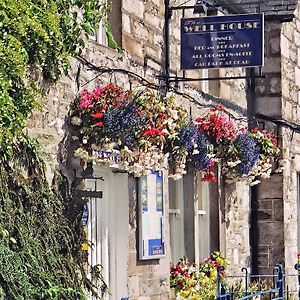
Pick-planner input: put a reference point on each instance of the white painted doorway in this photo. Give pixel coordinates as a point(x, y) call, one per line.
point(108, 223)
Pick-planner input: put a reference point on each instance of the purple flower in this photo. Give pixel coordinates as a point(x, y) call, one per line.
point(188, 136)
point(248, 153)
point(201, 159)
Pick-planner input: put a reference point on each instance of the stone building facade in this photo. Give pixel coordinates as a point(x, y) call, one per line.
point(241, 218)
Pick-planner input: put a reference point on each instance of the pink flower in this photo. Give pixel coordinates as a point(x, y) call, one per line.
point(85, 101)
point(97, 92)
point(100, 124)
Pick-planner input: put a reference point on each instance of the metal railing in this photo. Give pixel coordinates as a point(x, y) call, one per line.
point(254, 287)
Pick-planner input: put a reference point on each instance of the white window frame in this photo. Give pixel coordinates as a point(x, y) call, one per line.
point(178, 221)
point(108, 230)
point(202, 217)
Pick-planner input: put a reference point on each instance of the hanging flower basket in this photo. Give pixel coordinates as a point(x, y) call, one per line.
point(134, 130)
point(139, 132)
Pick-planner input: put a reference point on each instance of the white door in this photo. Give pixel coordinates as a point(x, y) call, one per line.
point(108, 224)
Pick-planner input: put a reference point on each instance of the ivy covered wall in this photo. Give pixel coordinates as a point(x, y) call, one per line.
point(40, 244)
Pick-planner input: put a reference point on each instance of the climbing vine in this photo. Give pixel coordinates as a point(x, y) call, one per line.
point(40, 231)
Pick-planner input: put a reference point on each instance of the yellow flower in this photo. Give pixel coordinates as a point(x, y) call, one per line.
point(213, 274)
point(184, 294)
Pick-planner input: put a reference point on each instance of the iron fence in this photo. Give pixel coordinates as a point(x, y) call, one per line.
point(260, 287)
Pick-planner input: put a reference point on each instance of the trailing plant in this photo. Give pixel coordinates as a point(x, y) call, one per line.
point(41, 234)
point(40, 245)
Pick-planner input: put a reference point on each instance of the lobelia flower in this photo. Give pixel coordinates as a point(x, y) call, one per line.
point(248, 153)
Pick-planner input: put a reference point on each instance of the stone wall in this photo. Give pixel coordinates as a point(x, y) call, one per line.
point(267, 233)
point(291, 140)
point(270, 243)
point(236, 222)
point(142, 40)
point(269, 89)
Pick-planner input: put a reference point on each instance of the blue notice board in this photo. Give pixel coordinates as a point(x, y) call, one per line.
point(222, 42)
point(151, 214)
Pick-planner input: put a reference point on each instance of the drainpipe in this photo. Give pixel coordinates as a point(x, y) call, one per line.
point(251, 110)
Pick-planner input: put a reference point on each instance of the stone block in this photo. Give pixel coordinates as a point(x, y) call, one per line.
point(263, 249)
point(269, 106)
point(270, 233)
point(155, 54)
point(263, 260)
point(149, 287)
point(285, 46)
point(297, 76)
point(264, 215)
point(276, 255)
point(154, 21)
point(132, 46)
point(272, 65)
point(275, 85)
point(265, 204)
point(274, 45)
point(142, 32)
point(137, 8)
point(271, 188)
point(133, 286)
point(126, 23)
point(278, 210)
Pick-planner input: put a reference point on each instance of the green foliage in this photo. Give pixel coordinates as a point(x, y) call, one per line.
point(37, 38)
point(40, 244)
point(40, 231)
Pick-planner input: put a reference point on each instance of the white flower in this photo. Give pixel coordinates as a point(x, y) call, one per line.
point(175, 176)
point(174, 114)
point(254, 182)
point(85, 140)
point(233, 163)
point(76, 121)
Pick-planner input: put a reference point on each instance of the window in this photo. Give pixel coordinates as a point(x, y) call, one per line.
point(115, 26)
point(190, 221)
point(107, 229)
point(202, 217)
point(176, 211)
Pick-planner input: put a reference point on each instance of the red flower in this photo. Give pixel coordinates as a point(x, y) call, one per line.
point(100, 124)
point(254, 130)
point(97, 115)
point(211, 165)
point(199, 120)
point(209, 177)
point(153, 132)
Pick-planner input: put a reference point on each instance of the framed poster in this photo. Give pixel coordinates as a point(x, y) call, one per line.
point(151, 214)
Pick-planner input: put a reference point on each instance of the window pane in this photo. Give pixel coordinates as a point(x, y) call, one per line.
point(176, 219)
point(202, 229)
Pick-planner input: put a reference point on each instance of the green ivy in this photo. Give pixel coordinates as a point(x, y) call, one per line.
point(40, 231)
